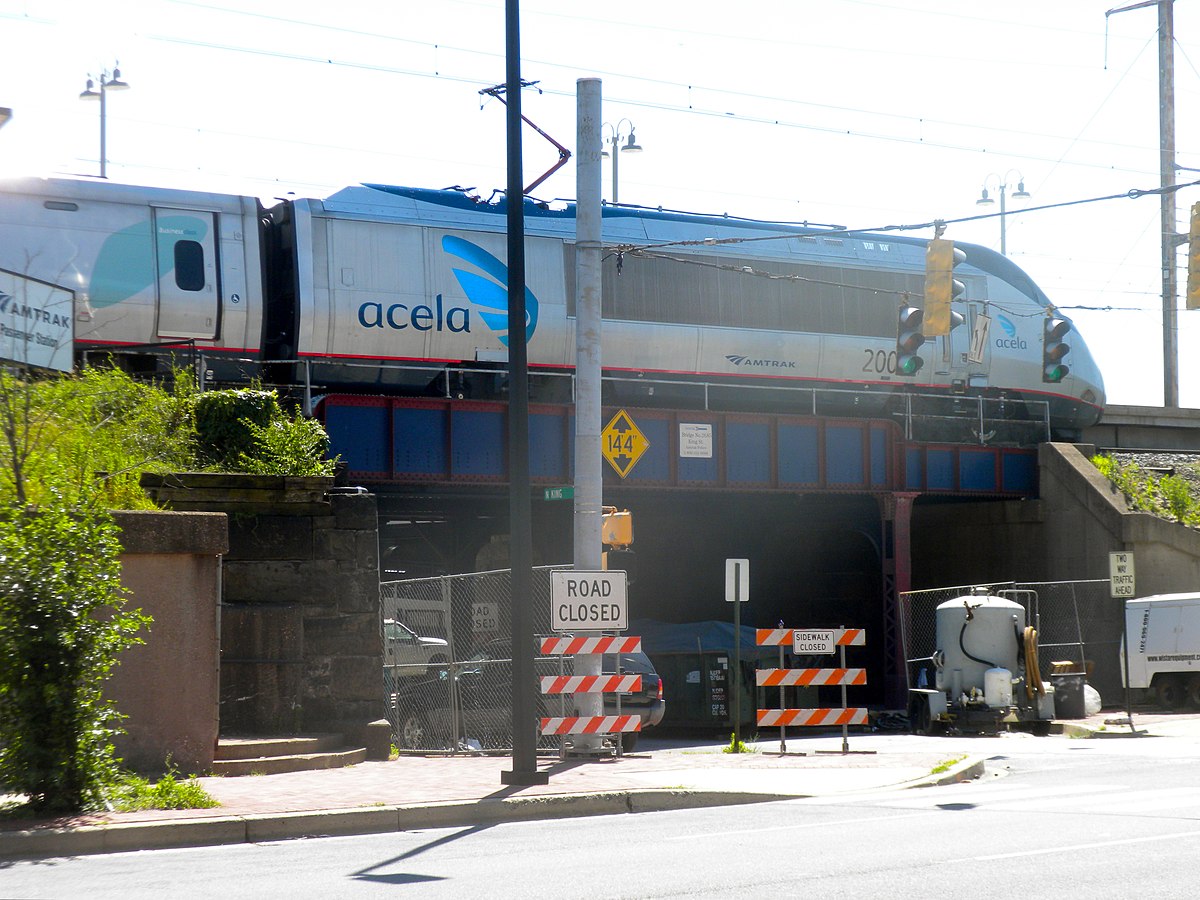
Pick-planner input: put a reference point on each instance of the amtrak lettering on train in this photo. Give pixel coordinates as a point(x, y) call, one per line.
point(404, 290)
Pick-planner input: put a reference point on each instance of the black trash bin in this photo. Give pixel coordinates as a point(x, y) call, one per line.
point(1068, 695)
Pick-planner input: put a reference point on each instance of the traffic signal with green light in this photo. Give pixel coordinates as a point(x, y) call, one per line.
point(1054, 349)
point(941, 287)
point(908, 340)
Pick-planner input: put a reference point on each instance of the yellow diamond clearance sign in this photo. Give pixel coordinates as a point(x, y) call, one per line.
point(622, 443)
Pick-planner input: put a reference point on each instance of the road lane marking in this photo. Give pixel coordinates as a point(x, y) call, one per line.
point(797, 827)
point(1070, 848)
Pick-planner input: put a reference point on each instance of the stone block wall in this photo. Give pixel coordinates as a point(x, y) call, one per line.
point(301, 646)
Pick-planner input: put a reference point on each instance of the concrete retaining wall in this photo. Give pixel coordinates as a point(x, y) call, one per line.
point(168, 686)
point(1066, 535)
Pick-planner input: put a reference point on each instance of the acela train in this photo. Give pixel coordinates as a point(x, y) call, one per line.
point(404, 289)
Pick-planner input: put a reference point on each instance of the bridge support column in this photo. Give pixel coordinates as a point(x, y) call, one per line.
point(896, 524)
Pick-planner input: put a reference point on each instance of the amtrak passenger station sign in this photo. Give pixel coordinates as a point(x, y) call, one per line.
point(37, 323)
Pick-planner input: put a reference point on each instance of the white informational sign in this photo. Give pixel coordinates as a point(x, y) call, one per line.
point(737, 580)
point(695, 440)
point(1120, 573)
point(807, 643)
point(979, 338)
point(484, 617)
point(589, 601)
point(37, 323)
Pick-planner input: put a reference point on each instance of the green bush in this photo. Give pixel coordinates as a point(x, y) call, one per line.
point(1176, 495)
point(1144, 491)
point(100, 430)
point(296, 446)
point(226, 423)
point(63, 624)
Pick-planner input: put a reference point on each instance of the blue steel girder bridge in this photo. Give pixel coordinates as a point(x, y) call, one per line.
point(393, 442)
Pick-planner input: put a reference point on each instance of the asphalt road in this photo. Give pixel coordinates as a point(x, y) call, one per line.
point(1053, 817)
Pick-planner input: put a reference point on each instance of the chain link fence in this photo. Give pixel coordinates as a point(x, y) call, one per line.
point(1076, 621)
point(447, 651)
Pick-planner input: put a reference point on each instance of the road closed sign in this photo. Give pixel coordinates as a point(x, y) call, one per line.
point(588, 601)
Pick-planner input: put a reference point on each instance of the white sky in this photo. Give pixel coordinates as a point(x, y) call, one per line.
point(863, 113)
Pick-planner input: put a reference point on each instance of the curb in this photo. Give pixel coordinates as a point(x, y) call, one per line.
point(968, 769)
point(174, 833)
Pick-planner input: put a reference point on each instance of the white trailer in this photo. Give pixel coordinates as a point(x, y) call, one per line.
point(1163, 634)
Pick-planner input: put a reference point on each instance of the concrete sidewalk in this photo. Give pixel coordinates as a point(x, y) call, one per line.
point(444, 791)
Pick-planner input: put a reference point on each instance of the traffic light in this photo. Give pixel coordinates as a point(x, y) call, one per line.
point(1193, 281)
point(908, 340)
point(941, 287)
point(1054, 349)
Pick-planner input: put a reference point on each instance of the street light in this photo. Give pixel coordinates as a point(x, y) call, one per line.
point(985, 200)
point(614, 140)
point(107, 83)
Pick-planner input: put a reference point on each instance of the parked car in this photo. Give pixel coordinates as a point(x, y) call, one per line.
point(647, 703)
point(483, 687)
point(407, 654)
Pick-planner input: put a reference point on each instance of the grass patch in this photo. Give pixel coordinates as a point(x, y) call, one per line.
point(736, 746)
point(169, 792)
point(947, 765)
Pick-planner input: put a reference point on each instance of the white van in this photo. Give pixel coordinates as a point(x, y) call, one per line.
point(1164, 647)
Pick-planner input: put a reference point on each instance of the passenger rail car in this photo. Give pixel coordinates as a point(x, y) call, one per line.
point(379, 287)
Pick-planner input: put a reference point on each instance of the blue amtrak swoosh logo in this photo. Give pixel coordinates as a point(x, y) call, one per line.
point(489, 294)
point(1007, 324)
point(4, 298)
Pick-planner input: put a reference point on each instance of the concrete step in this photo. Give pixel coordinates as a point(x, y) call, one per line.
point(229, 748)
point(296, 762)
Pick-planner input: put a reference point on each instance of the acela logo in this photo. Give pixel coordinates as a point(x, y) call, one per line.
point(489, 294)
point(1011, 341)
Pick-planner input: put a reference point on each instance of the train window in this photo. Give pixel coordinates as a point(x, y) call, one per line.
point(189, 266)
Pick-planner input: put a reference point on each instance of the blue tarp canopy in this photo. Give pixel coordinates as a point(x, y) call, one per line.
point(697, 637)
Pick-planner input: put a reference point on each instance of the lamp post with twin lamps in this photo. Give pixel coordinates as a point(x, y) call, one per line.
point(108, 83)
point(614, 141)
point(986, 200)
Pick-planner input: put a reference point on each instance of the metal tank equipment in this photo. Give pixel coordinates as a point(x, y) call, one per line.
point(986, 669)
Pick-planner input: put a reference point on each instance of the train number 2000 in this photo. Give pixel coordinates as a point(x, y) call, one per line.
point(880, 361)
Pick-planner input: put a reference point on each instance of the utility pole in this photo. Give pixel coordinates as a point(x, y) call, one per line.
point(1166, 162)
point(589, 476)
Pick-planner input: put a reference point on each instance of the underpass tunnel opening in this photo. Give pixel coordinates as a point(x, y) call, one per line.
point(814, 559)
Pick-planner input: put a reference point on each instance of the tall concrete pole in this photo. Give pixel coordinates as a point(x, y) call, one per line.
point(588, 463)
point(1166, 137)
point(588, 246)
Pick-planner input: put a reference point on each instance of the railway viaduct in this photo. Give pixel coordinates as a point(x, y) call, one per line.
point(838, 516)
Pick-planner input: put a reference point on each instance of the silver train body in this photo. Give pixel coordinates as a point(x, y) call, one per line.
point(383, 287)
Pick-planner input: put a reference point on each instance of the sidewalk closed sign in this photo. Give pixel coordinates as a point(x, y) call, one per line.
point(814, 642)
point(588, 601)
point(1120, 573)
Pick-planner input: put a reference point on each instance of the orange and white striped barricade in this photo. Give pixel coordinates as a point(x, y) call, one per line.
point(590, 724)
point(591, 684)
point(569, 646)
point(807, 643)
